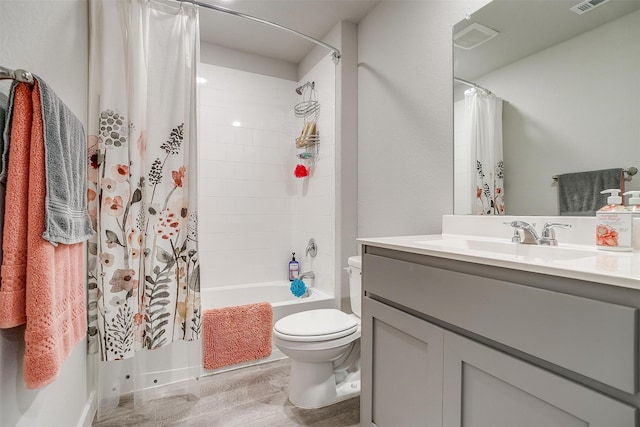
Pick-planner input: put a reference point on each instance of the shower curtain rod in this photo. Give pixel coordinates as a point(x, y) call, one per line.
point(474, 85)
point(335, 55)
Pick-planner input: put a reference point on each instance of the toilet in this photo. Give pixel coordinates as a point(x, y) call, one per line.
point(324, 348)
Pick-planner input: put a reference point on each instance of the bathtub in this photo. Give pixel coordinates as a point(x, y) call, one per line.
point(278, 294)
point(180, 361)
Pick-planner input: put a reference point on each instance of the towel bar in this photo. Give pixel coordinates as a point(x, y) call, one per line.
point(629, 171)
point(19, 75)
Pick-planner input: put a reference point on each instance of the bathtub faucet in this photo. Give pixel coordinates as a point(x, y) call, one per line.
point(309, 274)
point(312, 248)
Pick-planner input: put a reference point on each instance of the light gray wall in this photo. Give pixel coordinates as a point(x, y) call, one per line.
point(50, 39)
point(346, 155)
point(405, 115)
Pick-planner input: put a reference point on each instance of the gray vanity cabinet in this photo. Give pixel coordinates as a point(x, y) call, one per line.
point(485, 387)
point(402, 356)
point(448, 343)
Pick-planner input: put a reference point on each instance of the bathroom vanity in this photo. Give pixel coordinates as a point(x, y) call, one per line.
point(477, 331)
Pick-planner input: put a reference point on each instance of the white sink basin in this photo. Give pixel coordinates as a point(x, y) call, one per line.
point(508, 248)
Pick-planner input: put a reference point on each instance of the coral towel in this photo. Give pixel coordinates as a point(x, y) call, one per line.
point(53, 281)
point(14, 236)
point(236, 334)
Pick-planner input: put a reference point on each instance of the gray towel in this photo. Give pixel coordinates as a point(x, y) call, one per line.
point(66, 217)
point(579, 193)
point(7, 104)
point(4, 104)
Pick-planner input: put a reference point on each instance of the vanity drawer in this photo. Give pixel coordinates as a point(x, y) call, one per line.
point(593, 338)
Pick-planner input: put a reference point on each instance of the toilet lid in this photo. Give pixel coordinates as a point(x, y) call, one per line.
point(317, 323)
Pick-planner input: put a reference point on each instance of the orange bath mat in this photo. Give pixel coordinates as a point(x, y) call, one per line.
point(236, 334)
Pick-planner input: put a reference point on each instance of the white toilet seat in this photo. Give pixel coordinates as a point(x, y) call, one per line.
point(315, 325)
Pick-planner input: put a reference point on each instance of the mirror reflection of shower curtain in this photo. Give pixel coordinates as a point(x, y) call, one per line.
point(484, 128)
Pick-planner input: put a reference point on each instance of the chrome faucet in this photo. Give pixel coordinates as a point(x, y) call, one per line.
point(548, 237)
point(309, 274)
point(549, 233)
point(529, 231)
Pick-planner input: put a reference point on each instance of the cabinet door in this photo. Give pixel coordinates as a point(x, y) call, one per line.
point(401, 369)
point(485, 387)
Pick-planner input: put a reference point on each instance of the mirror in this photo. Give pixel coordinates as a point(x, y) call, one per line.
point(571, 95)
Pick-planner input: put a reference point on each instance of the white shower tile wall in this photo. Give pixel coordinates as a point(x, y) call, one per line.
point(315, 208)
point(252, 211)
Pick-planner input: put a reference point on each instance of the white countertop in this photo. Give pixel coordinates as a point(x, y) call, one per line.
point(612, 268)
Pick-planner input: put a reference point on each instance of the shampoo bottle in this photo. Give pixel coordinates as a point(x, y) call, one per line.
point(634, 207)
point(294, 268)
point(613, 229)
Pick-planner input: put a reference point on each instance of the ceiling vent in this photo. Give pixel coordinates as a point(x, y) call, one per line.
point(586, 6)
point(474, 35)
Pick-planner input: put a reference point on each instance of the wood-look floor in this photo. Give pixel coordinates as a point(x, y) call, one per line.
point(255, 396)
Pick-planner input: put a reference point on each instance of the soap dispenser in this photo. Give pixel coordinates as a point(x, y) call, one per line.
point(294, 268)
point(634, 207)
point(613, 226)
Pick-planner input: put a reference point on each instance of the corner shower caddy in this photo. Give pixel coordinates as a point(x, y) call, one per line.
point(309, 111)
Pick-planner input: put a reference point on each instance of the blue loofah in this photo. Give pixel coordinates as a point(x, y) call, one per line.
point(298, 288)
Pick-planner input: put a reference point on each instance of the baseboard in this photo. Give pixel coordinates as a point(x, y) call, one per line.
point(89, 412)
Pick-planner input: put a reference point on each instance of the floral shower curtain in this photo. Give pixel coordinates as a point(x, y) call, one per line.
point(484, 121)
point(143, 270)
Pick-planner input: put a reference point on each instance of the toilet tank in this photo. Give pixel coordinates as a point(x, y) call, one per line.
point(355, 284)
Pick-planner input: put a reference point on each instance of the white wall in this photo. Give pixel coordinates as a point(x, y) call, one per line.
point(565, 110)
point(344, 37)
point(315, 206)
point(50, 39)
point(464, 200)
point(253, 211)
point(405, 116)
point(229, 58)
point(246, 204)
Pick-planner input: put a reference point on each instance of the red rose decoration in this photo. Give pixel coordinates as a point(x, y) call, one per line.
point(301, 171)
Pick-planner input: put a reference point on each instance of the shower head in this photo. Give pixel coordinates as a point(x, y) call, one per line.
point(301, 88)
